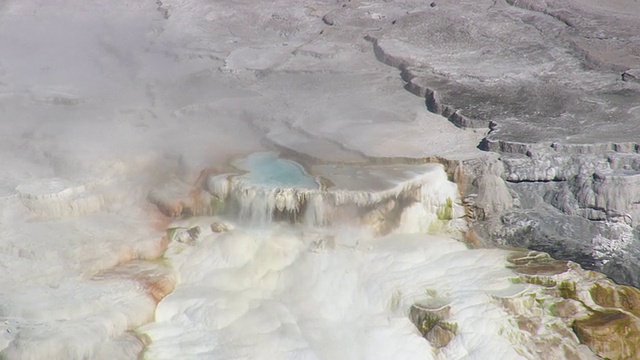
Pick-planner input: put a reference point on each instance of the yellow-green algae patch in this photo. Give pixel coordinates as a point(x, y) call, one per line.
point(610, 333)
point(602, 314)
point(445, 211)
point(616, 296)
point(432, 324)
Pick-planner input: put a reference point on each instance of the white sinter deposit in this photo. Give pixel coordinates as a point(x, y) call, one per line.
point(278, 290)
point(108, 108)
point(276, 187)
point(75, 287)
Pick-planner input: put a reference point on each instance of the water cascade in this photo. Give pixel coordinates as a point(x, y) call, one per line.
point(363, 262)
point(272, 188)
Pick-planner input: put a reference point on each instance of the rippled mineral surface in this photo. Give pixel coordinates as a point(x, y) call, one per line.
point(191, 179)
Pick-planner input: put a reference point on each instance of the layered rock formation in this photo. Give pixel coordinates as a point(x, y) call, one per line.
point(533, 306)
point(78, 271)
point(379, 195)
point(273, 189)
point(560, 105)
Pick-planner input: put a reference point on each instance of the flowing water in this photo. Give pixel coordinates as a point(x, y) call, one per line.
point(294, 290)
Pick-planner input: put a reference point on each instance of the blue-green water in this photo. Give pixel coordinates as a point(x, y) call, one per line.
point(267, 170)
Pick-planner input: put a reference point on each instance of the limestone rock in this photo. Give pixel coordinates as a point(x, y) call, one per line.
point(432, 324)
point(439, 336)
point(589, 218)
point(219, 227)
point(493, 196)
point(185, 235)
point(618, 193)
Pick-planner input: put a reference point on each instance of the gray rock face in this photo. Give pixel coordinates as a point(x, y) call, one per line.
point(568, 201)
point(555, 83)
point(493, 196)
point(604, 187)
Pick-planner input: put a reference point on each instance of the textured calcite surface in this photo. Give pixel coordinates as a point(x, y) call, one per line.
point(532, 306)
point(135, 221)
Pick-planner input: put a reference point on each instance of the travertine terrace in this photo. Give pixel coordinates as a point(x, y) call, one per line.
point(319, 179)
